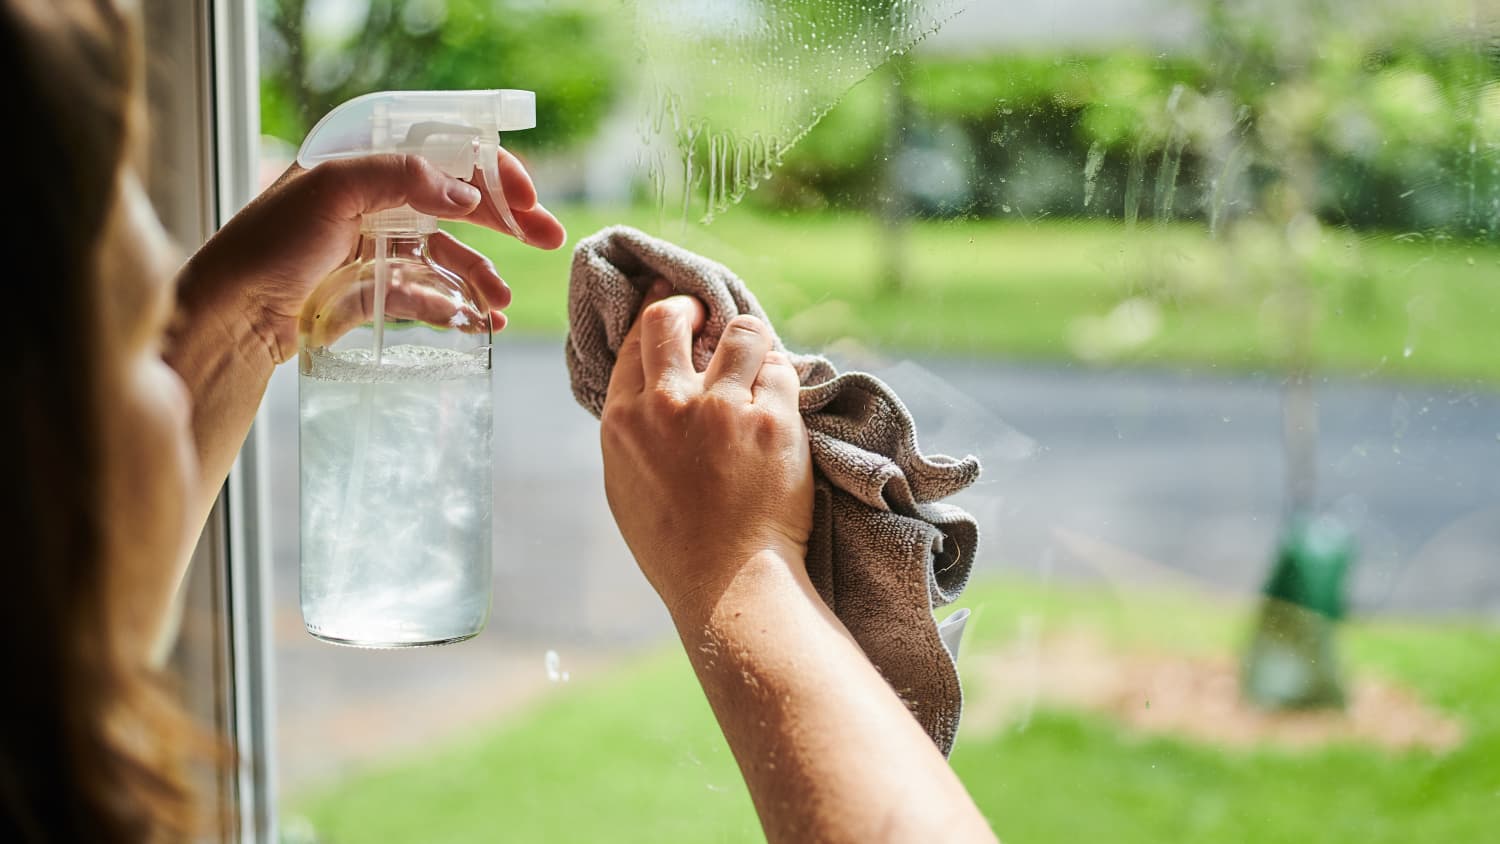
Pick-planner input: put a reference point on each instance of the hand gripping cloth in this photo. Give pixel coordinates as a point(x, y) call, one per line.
point(885, 550)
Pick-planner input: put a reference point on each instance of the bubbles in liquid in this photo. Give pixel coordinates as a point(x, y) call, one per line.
point(396, 495)
point(775, 67)
point(397, 363)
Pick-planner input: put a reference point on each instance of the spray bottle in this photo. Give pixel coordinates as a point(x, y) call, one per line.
point(395, 392)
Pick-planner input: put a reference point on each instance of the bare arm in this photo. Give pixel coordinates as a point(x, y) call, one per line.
point(710, 479)
point(226, 367)
point(828, 750)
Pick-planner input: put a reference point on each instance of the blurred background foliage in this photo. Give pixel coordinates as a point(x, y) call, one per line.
point(315, 55)
point(1388, 123)
point(1399, 119)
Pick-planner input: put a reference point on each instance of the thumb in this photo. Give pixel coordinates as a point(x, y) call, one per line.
point(352, 187)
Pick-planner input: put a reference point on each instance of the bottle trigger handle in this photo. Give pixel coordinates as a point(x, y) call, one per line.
point(489, 164)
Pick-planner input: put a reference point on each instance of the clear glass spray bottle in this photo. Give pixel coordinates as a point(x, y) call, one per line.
point(395, 392)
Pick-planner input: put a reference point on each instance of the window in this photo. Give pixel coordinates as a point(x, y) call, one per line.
point(1209, 286)
point(200, 70)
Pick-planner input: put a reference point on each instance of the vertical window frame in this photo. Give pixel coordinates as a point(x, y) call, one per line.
point(205, 125)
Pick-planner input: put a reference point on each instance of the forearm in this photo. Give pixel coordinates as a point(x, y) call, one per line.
point(828, 750)
point(226, 365)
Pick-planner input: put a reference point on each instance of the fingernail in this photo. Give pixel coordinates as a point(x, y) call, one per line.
point(463, 194)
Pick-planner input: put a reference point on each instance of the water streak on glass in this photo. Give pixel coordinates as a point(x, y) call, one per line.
point(735, 83)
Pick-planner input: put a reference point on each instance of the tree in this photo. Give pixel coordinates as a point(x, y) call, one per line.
point(568, 52)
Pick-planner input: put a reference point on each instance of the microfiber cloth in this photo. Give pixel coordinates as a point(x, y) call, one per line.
point(884, 549)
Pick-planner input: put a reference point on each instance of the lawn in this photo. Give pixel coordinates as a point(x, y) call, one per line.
point(1386, 306)
point(633, 755)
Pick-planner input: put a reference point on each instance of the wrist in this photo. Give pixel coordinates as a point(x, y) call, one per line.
point(218, 328)
point(768, 575)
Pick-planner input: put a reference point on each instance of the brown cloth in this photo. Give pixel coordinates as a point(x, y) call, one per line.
point(884, 551)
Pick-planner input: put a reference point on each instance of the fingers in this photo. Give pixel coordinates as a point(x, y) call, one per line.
point(627, 377)
point(520, 191)
point(402, 302)
point(737, 360)
point(434, 307)
point(537, 224)
point(667, 329)
point(352, 187)
point(293, 171)
point(542, 230)
point(472, 265)
point(349, 188)
point(777, 383)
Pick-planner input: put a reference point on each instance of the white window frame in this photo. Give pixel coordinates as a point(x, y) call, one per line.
point(205, 127)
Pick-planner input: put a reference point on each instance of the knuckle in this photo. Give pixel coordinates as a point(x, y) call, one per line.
point(619, 424)
point(610, 436)
point(719, 407)
point(663, 404)
point(745, 324)
point(659, 314)
point(413, 168)
point(481, 265)
point(610, 422)
point(325, 178)
point(767, 426)
point(629, 350)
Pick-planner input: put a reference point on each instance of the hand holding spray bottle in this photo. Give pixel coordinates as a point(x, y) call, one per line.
point(395, 392)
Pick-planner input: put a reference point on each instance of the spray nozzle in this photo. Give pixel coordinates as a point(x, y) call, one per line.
point(458, 131)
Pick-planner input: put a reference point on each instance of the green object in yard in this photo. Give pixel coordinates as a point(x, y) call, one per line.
point(1293, 662)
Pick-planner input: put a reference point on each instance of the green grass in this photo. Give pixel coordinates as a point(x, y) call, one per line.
point(1044, 291)
point(634, 755)
point(1071, 777)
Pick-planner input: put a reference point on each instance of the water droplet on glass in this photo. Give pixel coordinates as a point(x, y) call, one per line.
point(554, 668)
point(792, 90)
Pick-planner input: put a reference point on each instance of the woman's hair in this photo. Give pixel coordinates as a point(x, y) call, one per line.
point(86, 741)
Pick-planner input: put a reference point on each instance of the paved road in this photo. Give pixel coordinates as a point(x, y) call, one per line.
point(1124, 476)
point(1183, 471)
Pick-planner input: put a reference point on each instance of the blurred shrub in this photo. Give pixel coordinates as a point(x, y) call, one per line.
point(1379, 117)
point(1395, 132)
point(315, 55)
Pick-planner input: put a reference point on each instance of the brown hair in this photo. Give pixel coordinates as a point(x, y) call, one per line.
point(85, 747)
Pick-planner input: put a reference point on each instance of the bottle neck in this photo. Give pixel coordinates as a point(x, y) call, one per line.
point(411, 245)
point(401, 220)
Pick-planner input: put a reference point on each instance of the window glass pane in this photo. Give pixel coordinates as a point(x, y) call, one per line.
point(1209, 287)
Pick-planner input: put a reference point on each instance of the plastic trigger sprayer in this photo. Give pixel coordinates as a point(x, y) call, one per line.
point(395, 391)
